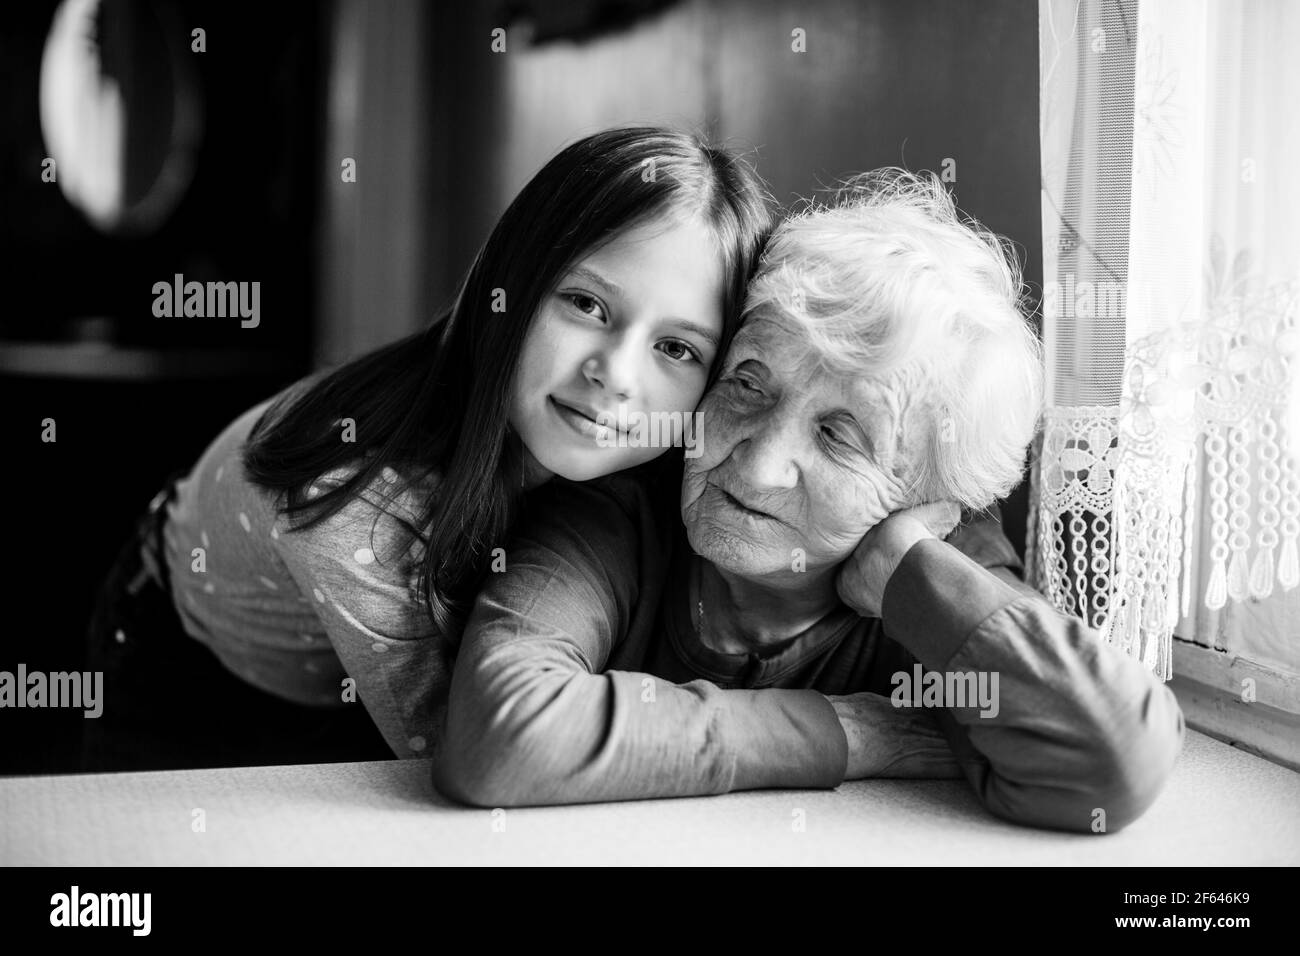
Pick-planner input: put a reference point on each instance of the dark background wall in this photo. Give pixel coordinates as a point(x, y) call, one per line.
point(881, 83)
point(134, 397)
point(444, 132)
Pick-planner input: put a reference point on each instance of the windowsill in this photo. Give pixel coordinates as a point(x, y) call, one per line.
point(1221, 807)
point(1210, 686)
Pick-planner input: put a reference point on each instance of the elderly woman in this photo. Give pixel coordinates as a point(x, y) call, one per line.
point(810, 616)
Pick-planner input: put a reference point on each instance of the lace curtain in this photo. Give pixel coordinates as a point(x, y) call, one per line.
point(1165, 476)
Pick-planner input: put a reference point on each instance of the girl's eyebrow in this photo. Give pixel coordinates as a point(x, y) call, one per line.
point(706, 334)
point(614, 289)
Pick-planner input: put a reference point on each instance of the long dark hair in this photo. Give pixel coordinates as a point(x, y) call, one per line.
point(439, 398)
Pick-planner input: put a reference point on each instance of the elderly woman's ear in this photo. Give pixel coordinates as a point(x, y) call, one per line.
point(862, 578)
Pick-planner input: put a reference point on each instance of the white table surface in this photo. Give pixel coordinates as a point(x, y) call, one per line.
point(1221, 807)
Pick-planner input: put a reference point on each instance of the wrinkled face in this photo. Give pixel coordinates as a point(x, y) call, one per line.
point(635, 324)
point(793, 457)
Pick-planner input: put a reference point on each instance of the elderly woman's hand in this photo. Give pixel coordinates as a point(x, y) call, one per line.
point(889, 741)
point(862, 578)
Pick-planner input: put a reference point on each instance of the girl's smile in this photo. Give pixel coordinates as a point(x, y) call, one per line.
point(585, 420)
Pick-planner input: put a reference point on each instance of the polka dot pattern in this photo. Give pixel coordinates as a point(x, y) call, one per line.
point(280, 608)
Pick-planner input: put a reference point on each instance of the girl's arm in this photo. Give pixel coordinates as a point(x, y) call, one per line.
point(355, 573)
point(534, 718)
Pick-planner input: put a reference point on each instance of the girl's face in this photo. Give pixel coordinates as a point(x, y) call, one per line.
point(629, 332)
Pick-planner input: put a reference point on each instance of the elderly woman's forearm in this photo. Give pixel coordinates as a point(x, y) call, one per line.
point(1080, 733)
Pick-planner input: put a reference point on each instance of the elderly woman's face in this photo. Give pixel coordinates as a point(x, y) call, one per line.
point(794, 459)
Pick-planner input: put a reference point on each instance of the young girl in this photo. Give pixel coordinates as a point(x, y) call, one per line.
point(326, 545)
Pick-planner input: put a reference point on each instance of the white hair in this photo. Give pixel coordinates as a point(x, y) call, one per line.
point(888, 280)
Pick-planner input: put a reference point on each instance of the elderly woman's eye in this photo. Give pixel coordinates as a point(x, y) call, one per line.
point(833, 436)
point(745, 384)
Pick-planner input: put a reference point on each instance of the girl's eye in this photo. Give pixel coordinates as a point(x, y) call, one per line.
point(584, 304)
point(678, 350)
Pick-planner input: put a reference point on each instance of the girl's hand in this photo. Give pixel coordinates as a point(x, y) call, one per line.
point(863, 577)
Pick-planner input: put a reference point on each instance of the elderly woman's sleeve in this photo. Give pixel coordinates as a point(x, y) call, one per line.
point(535, 718)
point(1080, 737)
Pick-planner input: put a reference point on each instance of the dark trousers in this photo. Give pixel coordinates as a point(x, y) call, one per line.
point(169, 703)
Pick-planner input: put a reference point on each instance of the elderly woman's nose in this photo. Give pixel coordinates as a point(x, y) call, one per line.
point(767, 457)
